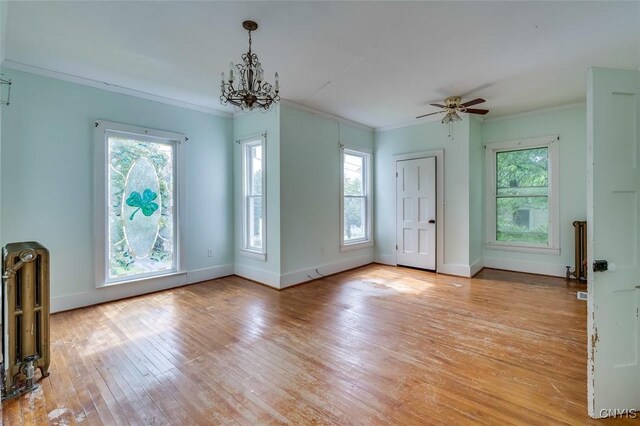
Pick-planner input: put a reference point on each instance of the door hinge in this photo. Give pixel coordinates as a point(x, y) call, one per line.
point(396, 247)
point(396, 174)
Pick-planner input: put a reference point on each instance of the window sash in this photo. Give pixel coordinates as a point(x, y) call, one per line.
point(365, 189)
point(249, 226)
point(251, 195)
point(104, 212)
point(111, 137)
point(548, 192)
point(365, 215)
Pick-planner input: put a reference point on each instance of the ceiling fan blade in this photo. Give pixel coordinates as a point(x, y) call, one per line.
point(426, 115)
point(473, 102)
point(437, 105)
point(476, 111)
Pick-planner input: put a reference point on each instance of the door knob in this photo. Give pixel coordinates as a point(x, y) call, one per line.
point(432, 221)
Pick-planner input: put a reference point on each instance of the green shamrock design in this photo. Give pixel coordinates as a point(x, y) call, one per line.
point(143, 202)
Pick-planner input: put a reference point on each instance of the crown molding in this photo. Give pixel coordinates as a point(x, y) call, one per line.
point(483, 120)
point(325, 114)
point(109, 87)
point(539, 111)
point(414, 122)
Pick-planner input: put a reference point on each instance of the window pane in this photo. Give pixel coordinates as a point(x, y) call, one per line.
point(522, 219)
point(254, 218)
point(255, 165)
point(140, 207)
point(354, 218)
point(353, 175)
point(523, 172)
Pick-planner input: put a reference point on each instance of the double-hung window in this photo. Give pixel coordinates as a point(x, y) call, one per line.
point(522, 190)
point(356, 199)
point(136, 203)
point(253, 194)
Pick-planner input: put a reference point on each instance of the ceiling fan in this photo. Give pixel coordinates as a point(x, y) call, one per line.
point(453, 105)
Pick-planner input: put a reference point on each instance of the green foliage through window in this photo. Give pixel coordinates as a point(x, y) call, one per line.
point(522, 202)
point(355, 198)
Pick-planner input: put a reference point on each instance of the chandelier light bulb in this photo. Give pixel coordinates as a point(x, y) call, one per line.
point(231, 71)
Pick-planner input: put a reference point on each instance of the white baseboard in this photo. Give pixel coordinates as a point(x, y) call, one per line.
point(308, 274)
point(476, 267)
point(206, 274)
point(456, 269)
point(385, 259)
point(256, 274)
point(115, 292)
point(122, 291)
point(525, 266)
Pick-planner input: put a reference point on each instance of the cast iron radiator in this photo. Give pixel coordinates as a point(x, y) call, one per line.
point(25, 314)
point(580, 250)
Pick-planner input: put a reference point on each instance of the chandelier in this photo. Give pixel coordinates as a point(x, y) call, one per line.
point(250, 90)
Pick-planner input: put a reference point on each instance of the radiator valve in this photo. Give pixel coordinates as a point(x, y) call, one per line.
point(29, 370)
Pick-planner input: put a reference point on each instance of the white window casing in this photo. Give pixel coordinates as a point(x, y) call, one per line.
point(254, 229)
point(366, 239)
point(107, 135)
point(552, 246)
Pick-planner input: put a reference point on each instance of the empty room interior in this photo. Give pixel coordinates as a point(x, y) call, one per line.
point(320, 212)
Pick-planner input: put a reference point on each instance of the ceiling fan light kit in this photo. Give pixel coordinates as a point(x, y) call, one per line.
point(452, 106)
point(251, 91)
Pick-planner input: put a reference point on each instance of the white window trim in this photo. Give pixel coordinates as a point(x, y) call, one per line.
point(100, 200)
point(368, 182)
point(552, 144)
point(244, 249)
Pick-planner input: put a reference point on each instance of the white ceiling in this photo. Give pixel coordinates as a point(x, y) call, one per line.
point(377, 63)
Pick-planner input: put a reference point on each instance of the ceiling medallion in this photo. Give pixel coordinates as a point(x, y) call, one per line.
point(250, 90)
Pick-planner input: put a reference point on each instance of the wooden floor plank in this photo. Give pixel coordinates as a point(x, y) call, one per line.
point(375, 345)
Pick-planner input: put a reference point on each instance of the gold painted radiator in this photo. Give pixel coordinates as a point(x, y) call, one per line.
point(580, 250)
point(25, 316)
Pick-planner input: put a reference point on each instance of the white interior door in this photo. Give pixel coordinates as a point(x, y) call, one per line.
point(613, 215)
point(416, 212)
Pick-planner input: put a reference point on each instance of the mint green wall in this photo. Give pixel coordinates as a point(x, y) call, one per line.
point(3, 32)
point(476, 191)
point(47, 175)
point(303, 195)
point(310, 190)
point(570, 124)
point(3, 28)
point(465, 187)
point(247, 125)
point(425, 137)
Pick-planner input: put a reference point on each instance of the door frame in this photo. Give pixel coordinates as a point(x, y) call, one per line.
point(439, 156)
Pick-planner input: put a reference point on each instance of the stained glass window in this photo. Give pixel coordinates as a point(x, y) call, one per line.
point(141, 206)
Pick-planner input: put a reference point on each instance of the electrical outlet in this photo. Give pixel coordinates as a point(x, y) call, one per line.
point(210, 252)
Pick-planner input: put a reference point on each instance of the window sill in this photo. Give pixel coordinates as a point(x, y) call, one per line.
point(356, 246)
point(254, 254)
point(141, 279)
point(523, 249)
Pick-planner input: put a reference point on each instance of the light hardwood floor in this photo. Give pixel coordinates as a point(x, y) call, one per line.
point(376, 345)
